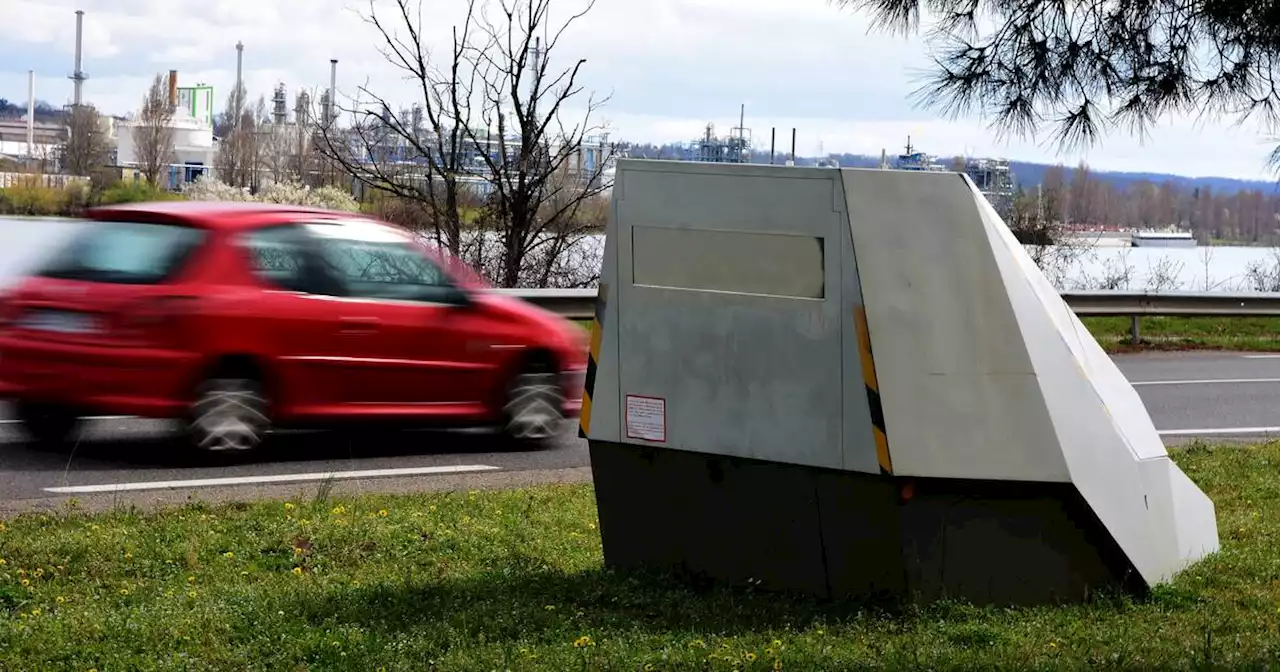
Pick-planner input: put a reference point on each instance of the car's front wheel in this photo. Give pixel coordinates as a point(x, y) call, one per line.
point(534, 413)
point(229, 415)
point(47, 424)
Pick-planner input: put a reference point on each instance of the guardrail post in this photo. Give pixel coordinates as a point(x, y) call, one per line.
point(1135, 331)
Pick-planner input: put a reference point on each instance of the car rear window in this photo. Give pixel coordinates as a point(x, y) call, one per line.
point(124, 252)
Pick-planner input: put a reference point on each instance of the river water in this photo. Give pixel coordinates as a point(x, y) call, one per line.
point(24, 242)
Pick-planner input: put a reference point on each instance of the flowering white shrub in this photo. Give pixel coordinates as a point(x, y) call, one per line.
point(206, 189)
point(292, 193)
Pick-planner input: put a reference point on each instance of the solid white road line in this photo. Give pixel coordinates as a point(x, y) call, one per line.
point(1250, 431)
point(1206, 381)
point(1261, 356)
point(276, 478)
point(11, 421)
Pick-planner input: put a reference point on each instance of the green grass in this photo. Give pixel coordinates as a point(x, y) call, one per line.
point(1188, 333)
point(513, 580)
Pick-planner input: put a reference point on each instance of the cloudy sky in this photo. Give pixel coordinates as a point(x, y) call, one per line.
point(670, 66)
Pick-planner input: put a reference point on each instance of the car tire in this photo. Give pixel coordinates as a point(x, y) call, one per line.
point(534, 408)
point(47, 424)
point(229, 415)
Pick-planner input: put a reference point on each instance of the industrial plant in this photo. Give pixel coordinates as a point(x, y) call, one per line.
point(35, 144)
point(993, 177)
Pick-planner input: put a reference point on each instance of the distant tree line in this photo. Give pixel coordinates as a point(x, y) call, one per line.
point(44, 111)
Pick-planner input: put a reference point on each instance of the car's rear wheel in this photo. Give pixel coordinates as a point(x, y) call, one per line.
point(47, 424)
point(228, 415)
point(533, 413)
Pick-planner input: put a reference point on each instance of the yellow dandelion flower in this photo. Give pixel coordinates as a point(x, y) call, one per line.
point(431, 508)
point(582, 641)
point(382, 513)
point(777, 642)
point(338, 510)
point(190, 579)
point(191, 594)
point(751, 656)
point(35, 612)
point(648, 667)
point(39, 572)
point(124, 591)
point(59, 599)
point(26, 582)
point(288, 506)
point(229, 554)
point(2, 562)
point(777, 664)
point(128, 555)
point(297, 570)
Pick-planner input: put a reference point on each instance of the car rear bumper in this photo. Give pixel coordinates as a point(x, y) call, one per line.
point(99, 379)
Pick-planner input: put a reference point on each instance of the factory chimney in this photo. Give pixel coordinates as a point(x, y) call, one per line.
point(173, 89)
point(31, 115)
point(78, 76)
point(239, 78)
point(333, 92)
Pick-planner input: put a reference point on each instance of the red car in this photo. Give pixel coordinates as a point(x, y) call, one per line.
point(235, 317)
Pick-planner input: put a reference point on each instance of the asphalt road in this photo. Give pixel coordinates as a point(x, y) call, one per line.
point(126, 460)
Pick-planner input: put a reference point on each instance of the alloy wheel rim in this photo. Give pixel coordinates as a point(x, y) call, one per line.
point(533, 411)
point(229, 416)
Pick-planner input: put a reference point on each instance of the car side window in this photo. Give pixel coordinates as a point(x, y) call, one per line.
point(381, 268)
point(278, 255)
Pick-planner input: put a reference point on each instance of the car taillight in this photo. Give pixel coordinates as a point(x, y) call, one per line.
point(155, 319)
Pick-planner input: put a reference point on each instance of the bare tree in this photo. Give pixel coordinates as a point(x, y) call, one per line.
point(489, 121)
point(1088, 64)
point(153, 132)
point(228, 163)
point(87, 149)
point(240, 158)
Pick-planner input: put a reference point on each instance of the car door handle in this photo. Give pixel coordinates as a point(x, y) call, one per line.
point(358, 325)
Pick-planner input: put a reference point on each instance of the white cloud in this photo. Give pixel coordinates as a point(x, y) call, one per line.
point(670, 65)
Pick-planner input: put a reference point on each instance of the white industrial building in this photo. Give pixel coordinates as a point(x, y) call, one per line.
point(193, 142)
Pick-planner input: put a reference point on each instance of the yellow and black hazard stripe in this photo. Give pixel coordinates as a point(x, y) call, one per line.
point(588, 387)
point(873, 391)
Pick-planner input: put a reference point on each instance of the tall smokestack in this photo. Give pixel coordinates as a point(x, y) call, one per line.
point(173, 89)
point(239, 76)
point(333, 90)
point(78, 76)
point(31, 114)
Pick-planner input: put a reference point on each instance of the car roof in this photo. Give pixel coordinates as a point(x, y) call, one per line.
point(222, 215)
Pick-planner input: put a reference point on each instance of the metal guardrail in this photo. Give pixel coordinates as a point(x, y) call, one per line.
point(579, 304)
